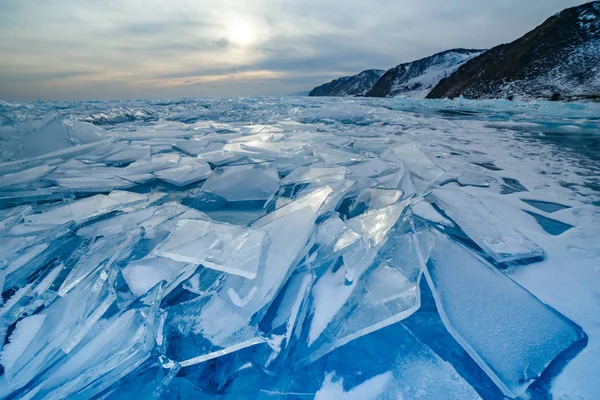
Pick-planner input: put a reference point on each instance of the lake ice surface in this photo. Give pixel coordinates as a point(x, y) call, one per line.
point(299, 248)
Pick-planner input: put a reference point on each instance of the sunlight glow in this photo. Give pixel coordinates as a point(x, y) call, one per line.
point(242, 33)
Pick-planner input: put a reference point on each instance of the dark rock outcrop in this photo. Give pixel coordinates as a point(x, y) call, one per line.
point(356, 85)
point(417, 78)
point(559, 60)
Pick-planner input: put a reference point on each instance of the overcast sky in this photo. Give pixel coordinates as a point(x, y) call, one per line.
point(124, 49)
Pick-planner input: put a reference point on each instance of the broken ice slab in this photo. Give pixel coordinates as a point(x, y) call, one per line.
point(315, 200)
point(259, 148)
point(42, 135)
point(370, 168)
point(418, 163)
point(189, 171)
point(223, 247)
point(146, 218)
point(389, 364)
point(332, 237)
point(192, 147)
point(103, 252)
point(22, 257)
point(106, 354)
point(79, 211)
point(243, 183)
point(84, 132)
point(157, 162)
point(220, 157)
point(58, 329)
point(315, 175)
point(122, 153)
point(205, 328)
point(375, 225)
point(283, 323)
point(288, 233)
point(373, 198)
point(426, 211)
point(505, 329)
point(12, 216)
point(344, 312)
point(148, 381)
point(142, 275)
point(471, 178)
point(98, 177)
point(33, 196)
point(332, 156)
point(25, 177)
point(495, 236)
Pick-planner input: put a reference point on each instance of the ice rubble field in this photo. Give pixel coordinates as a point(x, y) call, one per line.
point(299, 248)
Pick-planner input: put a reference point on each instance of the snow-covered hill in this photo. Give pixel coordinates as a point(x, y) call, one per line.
point(558, 60)
point(356, 85)
point(417, 78)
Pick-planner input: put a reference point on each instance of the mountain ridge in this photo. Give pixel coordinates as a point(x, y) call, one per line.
point(558, 60)
point(355, 85)
point(416, 78)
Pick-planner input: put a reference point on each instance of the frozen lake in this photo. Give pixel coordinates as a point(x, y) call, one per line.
point(300, 248)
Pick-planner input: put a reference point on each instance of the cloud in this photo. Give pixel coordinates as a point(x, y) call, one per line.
point(88, 49)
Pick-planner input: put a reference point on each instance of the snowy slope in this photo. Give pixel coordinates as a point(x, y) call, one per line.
point(560, 59)
point(356, 85)
point(417, 78)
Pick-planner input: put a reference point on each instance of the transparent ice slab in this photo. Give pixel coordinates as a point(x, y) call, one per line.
point(25, 177)
point(505, 329)
point(374, 198)
point(59, 328)
point(243, 183)
point(205, 328)
point(157, 162)
point(79, 211)
point(12, 216)
point(189, 171)
point(315, 175)
point(288, 236)
point(346, 311)
point(496, 237)
point(375, 225)
point(223, 247)
point(106, 354)
point(417, 162)
point(142, 275)
point(146, 218)
point(388, 364)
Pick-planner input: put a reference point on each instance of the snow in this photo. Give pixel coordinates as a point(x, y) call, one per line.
point(418, 85)
point(285, 246)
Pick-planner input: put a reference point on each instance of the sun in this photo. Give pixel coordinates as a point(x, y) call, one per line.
point(242, 33)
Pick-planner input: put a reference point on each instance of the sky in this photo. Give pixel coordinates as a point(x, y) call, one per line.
point(137, 49)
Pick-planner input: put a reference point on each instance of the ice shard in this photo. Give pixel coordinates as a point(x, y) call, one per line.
point(123, 343)
point(344, 312)
point(25, 177)
point(495, 236)
point(243, 183)
point(315, 175)
point(418, 163)
point(205, 328)
point(79, 211)
point(223, 247)
point(188, 172)
point(504, 328)
point(375, 225)
point(288, 236)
